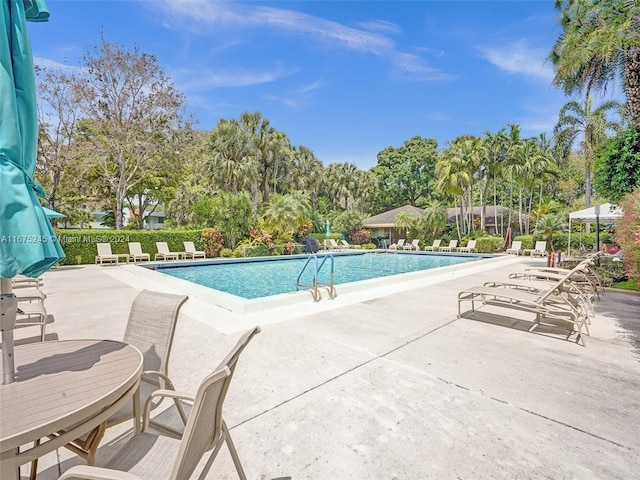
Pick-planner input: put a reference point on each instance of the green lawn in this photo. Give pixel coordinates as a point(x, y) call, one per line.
point(628, 285)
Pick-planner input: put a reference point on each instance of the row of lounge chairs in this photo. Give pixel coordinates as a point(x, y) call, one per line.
point(105, 255)
point(557, 297)
point(31, 310)
point(540, 249)
point(436, 246)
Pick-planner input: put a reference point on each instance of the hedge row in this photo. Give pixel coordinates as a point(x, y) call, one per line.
point(80, 245)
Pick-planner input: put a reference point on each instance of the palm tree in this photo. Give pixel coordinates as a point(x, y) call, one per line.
point(284, 215)
point(405, 221)
point(599, 43)
point(592, 126)
point(232, 162)
point(435, 217)
point(549, 225)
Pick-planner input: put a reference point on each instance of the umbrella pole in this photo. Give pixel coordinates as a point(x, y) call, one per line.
point(8, 307)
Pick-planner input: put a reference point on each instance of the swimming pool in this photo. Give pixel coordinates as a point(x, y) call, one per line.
point(265, 277)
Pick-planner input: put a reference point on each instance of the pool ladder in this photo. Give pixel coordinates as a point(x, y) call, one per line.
point(315, 292)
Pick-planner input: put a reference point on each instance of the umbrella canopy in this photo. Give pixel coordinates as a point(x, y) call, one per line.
point(28, 245)
point(52, 213)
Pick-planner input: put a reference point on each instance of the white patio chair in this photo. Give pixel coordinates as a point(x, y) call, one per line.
point(104, 254)
point(191, 252)
point(136, 253)
point(165, 254)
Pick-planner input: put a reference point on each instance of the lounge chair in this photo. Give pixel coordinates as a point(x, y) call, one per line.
point(136, 253)
point(434, 247)
point(346, 244)
point(453, 244)
point(20, 281)
point(412, 246)
point(516, 247)
point(191, 252)
point(165, 254)
point(550, 305)
point(540, 250)
point(105, 255)
point(150, 328)
point(471, 247)
point(398, 245)
point(152, 456)
point(333, 245)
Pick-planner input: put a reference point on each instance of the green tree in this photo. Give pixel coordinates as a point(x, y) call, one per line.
point(628, 234)
point(407, 173)
point(406, 222)
point(284, 215)
point(549, 225)
point(133, 107)
point(617, 165)
point(598, 44)
point(591, 126)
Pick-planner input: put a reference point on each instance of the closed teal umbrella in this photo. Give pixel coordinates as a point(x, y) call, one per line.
point(52, 213)
point(28, 245)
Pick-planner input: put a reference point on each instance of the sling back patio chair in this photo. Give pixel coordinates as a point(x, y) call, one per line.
point(453, 244)
point(516, 247)
point(150, 328)
point(470, 248)
point(136, 253)
point(540, 249)
point(191, 252)
point(413, 245)
point(550, 305)
point(434, 247)
point(105, 255)
point(165, 254)
point(153, 456)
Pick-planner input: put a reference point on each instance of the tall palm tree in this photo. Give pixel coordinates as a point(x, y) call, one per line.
point(599, 43)
point(232, 163)
point(283, 215)
point(549, 225)
point(405, 221)
point(591, 126)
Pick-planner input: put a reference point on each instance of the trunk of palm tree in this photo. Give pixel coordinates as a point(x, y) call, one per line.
point(632, 86)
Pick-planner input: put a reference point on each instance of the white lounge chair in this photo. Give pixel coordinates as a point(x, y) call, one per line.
point(191, 252)
point(540, 250)
point(516, 247)
point(471, 247)
point(398, 245)
point(413, 245)
point(104, 254)
point(346, 244)
point(152, 456)
point(434, 247)
point(551, 306)
point(165, 254)
point(453, 244)
point(136, 253)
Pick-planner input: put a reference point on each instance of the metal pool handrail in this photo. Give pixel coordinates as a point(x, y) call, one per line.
point(314, 288)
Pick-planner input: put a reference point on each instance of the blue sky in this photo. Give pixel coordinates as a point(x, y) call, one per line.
point(343, 78)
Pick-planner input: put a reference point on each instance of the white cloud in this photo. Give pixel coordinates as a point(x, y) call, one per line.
point(380, 26)
point(201, 13)
point(519, 58)
point(47, 64)
point(203, 80)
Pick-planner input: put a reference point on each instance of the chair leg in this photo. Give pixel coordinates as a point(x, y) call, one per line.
point(34, 464)
point(233, 452)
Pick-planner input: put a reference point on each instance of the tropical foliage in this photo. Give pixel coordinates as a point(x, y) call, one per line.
point(628, 234)
point(617, 166)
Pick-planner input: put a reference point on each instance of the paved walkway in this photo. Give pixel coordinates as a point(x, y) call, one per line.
point(394, 387)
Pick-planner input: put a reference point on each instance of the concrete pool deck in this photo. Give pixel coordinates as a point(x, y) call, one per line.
point(391, 385)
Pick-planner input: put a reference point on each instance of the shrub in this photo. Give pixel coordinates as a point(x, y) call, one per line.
point(628, 234)
point(489, 244)
point(212, 241)
point(360, 237)
point(369, 246)
point(79, 245)
point(226, 253)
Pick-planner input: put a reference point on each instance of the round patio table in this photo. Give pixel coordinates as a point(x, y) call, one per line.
point(71, 386)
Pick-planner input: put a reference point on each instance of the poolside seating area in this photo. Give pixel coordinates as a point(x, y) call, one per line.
point(539, 250)
point(434, 247)
point(557, 297)
point(437, 392)
point(516, 248)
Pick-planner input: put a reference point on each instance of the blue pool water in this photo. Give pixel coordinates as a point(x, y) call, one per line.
point(263, 278)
